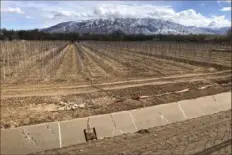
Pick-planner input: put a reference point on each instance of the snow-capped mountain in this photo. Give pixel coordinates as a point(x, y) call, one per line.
point(145, 26)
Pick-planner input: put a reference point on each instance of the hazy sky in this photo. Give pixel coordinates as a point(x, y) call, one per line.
point(40, 14)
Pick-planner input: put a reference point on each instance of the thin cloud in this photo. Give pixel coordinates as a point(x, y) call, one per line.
point(16, 10)
point(223, 1)
point(226, 9)
point(29, 17)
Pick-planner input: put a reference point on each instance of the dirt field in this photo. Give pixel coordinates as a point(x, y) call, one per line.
point(51, 81)
point(205, 135)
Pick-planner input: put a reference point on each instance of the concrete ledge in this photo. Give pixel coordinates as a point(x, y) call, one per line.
point(224, 100)
point(171, 113)
point(46, 136)
point(72, 131)
point(124, 122)
point(208, 105)
point(29, 139)
point(199, 107)
point(104, 125)
point(147, 118)
point(190, 109)
point(157, 115)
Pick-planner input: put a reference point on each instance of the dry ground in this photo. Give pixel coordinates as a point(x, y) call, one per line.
point(82, 79)
point(17, 111)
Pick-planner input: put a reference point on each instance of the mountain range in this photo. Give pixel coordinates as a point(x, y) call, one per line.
point(146, 26)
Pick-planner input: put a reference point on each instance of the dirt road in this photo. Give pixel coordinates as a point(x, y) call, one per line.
point(205, 135)
point(66, 90)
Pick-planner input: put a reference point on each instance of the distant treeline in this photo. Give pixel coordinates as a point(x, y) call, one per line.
point(115, 36)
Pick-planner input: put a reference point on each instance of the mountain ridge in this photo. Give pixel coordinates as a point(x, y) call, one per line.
point(146, 26)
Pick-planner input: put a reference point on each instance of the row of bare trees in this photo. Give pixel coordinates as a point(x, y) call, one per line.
point(17, 56)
